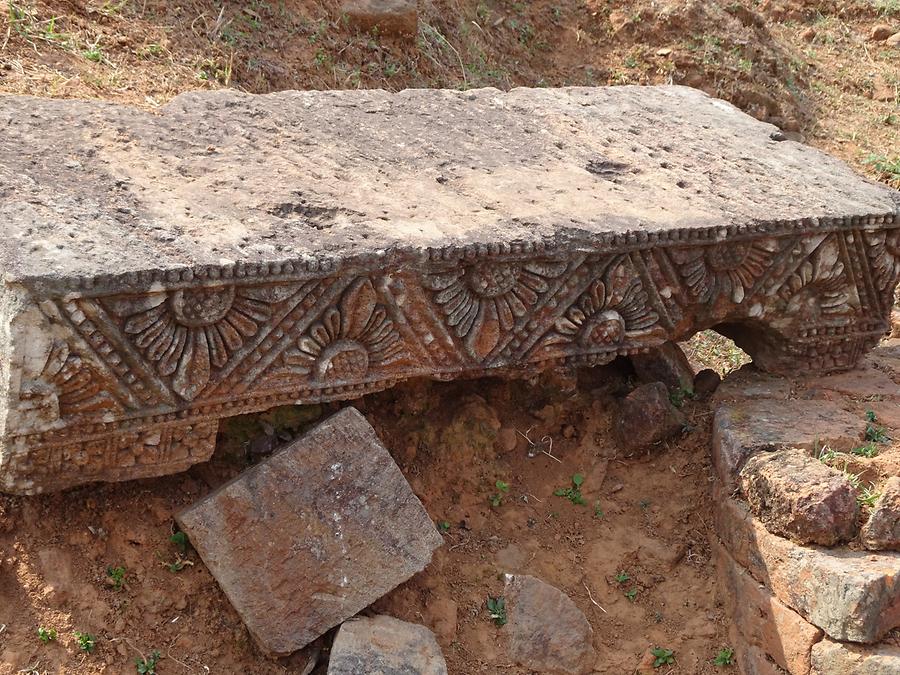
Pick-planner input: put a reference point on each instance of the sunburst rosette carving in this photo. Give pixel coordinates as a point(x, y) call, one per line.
point(730, 269)
point(187, 333)
point(612, 312)
point(481, 302)
point(819, 290)
point(349, 342)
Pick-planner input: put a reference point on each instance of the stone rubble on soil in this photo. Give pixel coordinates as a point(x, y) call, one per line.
point(388, 17)
point(743, 428)
point(667, 364)
point(545, 631)
point(647, 416)
point(882, 530)
point(797, 496)
point(312, 535)
point(383, 645)
point(364, 238)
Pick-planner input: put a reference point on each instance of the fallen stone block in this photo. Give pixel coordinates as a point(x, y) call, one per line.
point(647, 416)
point(667, 364)
point(743, 428)
point(386, 646)
point(312, 535)
point(882, 529)
point(851, 595)
point(362, 238)
point(387, 17)
point(799, 497)
point(838, 658)
point(545, 630)
point(762, 620)
point(748, 382)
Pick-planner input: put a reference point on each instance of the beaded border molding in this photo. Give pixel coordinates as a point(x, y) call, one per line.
point(127, 376)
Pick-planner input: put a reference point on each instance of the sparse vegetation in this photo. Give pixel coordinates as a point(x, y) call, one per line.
point(497, 610)
point(875, 433)
point(662, 657)
point(86, 641)
point(46, 635)
point(116, 576)
point(147, 665)
point(572, 493)
point(497, 497)
point(725, 657)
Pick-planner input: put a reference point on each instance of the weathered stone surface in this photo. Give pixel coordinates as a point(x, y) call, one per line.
point(667, 364)
point(882, 529)
point(231, 253)
point(745, 427)
point(545, 631)
point(388, 17)
point(851, 595)
point(762, 620)
point(312, 535)
point(799, 497)
point(647, 416)
point(383, 645)
point(748, 382)
point(837, 658)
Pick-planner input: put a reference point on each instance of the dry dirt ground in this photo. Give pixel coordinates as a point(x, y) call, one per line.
point(809, 67)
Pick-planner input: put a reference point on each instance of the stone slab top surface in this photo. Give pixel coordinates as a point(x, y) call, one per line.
point(89, 188)
point(312, 535)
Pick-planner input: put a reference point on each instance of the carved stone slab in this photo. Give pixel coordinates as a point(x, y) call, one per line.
point(237, 252)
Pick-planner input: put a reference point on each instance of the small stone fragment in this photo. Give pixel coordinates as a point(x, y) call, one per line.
point(384, 645)
point(799, 497)
point(508, 439)
point(647, 416)
point(893, 41)
point(743, 428)
point(667, 364)
point(882, 531)
point(706, 382)
point(545, 630)
point(851, 595)
point(838, 658)
point(881, 31)
point(312, 535)
point(762, 620)
point(389, 17)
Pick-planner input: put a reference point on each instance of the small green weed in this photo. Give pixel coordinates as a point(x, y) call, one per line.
point(86, 641)
point(46, 635)
point(622, 577)
point(868, 496)
point(573, 494)
point(725, 657)
point(443, 527)
point(598, 512)
point(117, 574)
point(662, 657)
point(502, 489)
point(181, 542)
point(889, 169)
point(680, 395)
point(874, 432)
point(148, 666)
point(497, 609)
point(631, 594)
point(868, 450)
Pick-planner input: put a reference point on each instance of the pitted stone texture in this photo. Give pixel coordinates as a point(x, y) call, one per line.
point(745, 427)
point(882, 529)
point(362, 238)
point(667, 364)
point(851, 595)
point(545, 631)
point(647, 416)
point(312, 535)
point(799, 497)
point(382, 645)
point(836, 658)
point(388, 17)
point(762, 620)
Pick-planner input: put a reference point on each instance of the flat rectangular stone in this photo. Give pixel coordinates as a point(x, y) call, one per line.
point(231, 253)
point(851, 595)
point(763, 621)
point(312, 535)
point(836, 658)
